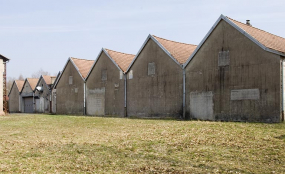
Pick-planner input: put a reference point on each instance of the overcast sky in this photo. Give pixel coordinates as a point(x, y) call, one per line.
point(42, 34)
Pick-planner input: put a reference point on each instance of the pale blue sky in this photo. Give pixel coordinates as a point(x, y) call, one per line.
point(42, 34)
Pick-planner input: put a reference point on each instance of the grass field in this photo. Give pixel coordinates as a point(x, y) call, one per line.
point(69, 144)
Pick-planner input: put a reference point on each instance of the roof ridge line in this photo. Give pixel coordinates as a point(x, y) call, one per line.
point(254, 27)
point(80, 58)
point(118, 51)
point(174, 41)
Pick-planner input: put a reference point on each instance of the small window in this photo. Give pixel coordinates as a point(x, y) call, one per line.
point(131, 74)
point(70, 80)
point(224, 58)
point(151, 68)
point(104, 75)
point(121, 74)
point(76, 90)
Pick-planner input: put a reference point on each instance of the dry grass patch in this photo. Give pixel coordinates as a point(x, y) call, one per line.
point(68, 144)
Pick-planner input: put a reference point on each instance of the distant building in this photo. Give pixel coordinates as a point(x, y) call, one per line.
point(155, 79)
point(28, 95)
point(15, 97)
point(70, 87)
point(53, 95)
point(106, 84)
point(43, 93)
point(236, 74)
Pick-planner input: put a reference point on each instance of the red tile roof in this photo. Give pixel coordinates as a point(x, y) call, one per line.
point(265, 38)
point(123, 60)
point(83, 65)
point(19, 84)
point(48, 79)
point(180, 51)
point(33, 82)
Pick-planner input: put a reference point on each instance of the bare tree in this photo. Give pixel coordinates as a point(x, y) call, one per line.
point(21, 77)
point(9, 84)
point(39, 73)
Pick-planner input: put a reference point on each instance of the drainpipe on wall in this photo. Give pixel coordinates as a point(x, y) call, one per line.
point(34, 105)
point(125, 107)
point(20, 103)
point(84, 99)
point(184, 101)
point(282, 89)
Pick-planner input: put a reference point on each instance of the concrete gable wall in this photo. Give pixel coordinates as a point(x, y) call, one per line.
point(70, 97)
point(27, 90)
point(14, 99)
point(251, 72)
point(111, 90)
point(158, 95)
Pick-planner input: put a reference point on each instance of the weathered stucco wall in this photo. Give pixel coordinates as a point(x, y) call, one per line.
point(14, 99)
point(156, 87)
point(43, 98)
point(242, 85)
point(105, 89)
point(70, 97)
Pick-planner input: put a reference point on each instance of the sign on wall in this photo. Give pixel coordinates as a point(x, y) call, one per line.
point(245, 94)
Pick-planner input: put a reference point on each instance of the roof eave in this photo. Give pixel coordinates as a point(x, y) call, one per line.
point(61, 72)
point(106, 52)
point(100, 52)
point(165, 50)
point(139, 52)
point(77, 69)
point(203, 40)
point(12, 87)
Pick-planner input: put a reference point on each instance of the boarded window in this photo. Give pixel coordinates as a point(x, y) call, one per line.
point(104, 75)
point(224, 58)
point(131, 74)
point(151, 68)
point(121, 74)
point(202, 105)
point(70, 80)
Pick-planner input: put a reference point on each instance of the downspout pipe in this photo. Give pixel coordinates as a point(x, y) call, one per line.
point(184, 97)
point(34, 104)
point(125, 85)
point(84, 98)
point(282, 89)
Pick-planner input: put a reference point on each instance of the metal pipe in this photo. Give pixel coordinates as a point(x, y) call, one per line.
point(282, 89)
point(84, 99)
point(125, 108)
point(184, 78)
point(34, 105)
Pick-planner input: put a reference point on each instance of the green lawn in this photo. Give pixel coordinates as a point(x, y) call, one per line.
point(70, 144)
